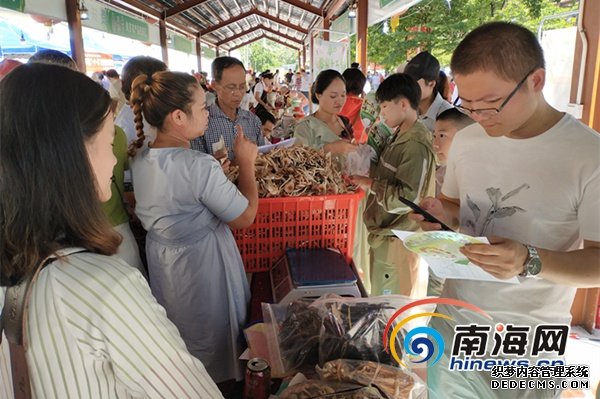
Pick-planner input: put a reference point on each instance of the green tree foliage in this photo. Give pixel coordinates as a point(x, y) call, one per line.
point(265, 54)
point(433, 25)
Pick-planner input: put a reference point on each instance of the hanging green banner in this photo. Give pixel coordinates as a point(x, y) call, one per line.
point(17, 5)
point(180, 43)
point(124, 25)
point(342, 24)
point(208, 52)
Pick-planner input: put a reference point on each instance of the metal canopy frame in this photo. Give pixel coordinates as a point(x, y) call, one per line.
point(263, 36)
point(219, 22)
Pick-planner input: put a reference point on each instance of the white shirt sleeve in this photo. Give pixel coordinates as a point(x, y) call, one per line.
point(450, 186)
point(588, 212)
point(259, 89)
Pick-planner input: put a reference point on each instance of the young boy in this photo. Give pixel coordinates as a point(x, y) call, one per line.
point(528, 177)
point(267, 122)
point(446, 125)
point(405, 169)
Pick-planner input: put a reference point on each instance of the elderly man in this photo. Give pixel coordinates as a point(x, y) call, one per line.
point(229, 82)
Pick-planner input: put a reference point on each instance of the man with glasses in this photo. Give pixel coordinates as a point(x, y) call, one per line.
point(229, 83)
point(527, 176)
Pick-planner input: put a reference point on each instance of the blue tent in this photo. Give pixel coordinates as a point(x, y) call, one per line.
point(11, 44)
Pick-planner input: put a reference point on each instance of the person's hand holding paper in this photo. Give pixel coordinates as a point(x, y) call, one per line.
point(502, 258)
point(444, 253)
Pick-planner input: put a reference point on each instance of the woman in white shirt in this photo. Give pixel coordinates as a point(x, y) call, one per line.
point(261, 91)
point(93, 329)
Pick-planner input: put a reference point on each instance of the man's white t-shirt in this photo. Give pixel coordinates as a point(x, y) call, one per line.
point(543, 191)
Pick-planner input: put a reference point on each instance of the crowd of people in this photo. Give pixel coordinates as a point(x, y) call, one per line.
point(86, 170)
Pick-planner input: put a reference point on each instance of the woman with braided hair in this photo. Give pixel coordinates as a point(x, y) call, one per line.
point(188, 205)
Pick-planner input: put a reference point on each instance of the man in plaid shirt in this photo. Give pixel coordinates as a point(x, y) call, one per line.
point(229, 82)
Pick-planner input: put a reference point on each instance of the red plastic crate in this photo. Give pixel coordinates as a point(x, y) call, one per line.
point(325, 221)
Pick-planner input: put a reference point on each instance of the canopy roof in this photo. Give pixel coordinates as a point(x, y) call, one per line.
point(230, 24)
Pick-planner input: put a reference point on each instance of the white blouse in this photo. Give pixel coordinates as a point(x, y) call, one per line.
point(95, 331)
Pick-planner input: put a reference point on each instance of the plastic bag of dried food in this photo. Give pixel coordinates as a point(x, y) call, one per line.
point(303, 334)
point(293, 334)
point(331, 390)
point(355, 331)
point(392, 381)
point(359, 161)
point(353, 328)
point(299, 335)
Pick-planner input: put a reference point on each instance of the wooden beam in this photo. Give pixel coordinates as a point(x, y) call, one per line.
point(333, 8)
point(254, 12)
point(183, 28)
point(76, 35)
point(290, 38)
point(590, 91)
point(141, 6)
point(226, 22)
point(362, 17)
point(304, 6)
point(162, 31)
point(280, 42)
point(326, 26)
point(281, 22)
point(241, 34)
point(181, 7)
point(264, 28)
point(137, 6)
point(247, 42)
point(261, 37)
point(199, 53)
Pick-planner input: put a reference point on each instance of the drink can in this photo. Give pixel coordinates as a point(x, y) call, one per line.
point(258, 379)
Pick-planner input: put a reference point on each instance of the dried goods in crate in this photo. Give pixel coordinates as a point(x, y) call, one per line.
point(296, 171)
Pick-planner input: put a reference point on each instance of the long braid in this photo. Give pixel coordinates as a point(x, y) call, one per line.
point(154, 97)
point(139, 88)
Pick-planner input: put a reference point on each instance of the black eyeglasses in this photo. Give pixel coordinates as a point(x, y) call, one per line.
point(485, 113)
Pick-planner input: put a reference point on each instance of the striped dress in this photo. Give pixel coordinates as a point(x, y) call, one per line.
point(96, 331)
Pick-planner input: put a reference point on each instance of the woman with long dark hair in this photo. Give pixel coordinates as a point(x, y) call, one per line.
point(92, 327)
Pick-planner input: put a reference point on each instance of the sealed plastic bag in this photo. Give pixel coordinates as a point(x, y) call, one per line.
point(353, 328)
point(292, 334)
point(359, 161)
point(303, 334)
point(355, 331)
